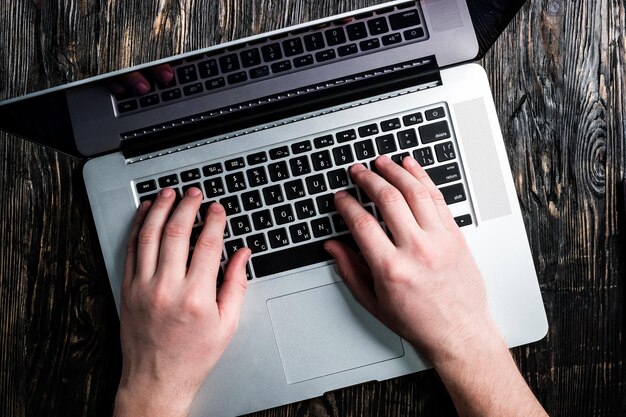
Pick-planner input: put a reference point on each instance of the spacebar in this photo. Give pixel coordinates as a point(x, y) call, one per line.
point(295, 257)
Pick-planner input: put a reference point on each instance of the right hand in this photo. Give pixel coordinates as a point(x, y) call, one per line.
point(423, 283)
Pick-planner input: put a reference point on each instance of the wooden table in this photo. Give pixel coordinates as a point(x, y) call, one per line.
point(559, 79)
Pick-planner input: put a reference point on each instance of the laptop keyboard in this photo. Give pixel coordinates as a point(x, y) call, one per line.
point(279, 201)
point(290, 52)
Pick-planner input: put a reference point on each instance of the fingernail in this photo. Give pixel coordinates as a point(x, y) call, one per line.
point(144, 206)
point(142, 88)
point(216, 208)
point(167, 75)
point(193, 192)
point(410, 161)
point(341, 194)
point(384, 160)
point(166, 192)
point(358, 168)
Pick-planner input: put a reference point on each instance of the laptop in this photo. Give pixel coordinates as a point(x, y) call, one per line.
point(268, 126)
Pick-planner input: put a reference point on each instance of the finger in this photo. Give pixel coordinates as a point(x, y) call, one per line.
point(415, 193)
point(232, 291)
point(175, 241)
point(416, 170)
point(137, 83)
point(365, 229)
point(390, 201)
point(205, 261)
point(162, 73)
point(131, 247)
point(149, 240)
point(357, 278)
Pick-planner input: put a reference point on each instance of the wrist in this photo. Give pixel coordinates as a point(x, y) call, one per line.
point(139, 399)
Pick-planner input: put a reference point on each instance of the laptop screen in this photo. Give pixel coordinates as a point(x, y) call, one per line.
point(158, 105)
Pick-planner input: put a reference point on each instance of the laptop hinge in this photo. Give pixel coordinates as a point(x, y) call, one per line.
point(177, 133)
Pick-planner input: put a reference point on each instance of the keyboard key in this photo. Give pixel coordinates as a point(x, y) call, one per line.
point(187, 74)
point(391, 124)
point(369, 44)
point(347, 49)
point(151, 100)
point(235, 182)
point(208, 68)
point(445, 151)
point(278, 153)
point(250, 57)
point(444, 173)
point(314, 41)
point(283, 214)
point(301, 147)
point(215, 83)
point(464, 220)
point(233, 246)
point(315, 184)
point(335, 36)
point(294, 189)
point(194, 185)
point(262, 220)
point(378, 26)
point(326, 55)
point(424, 156)
point(237, 77)
point(190, 175)
point(340, 225)
point(278, 238)
point(295, 257)
point(434, 114)
point(271, 52)
point(256, 243)
point(302, 61)
point(193, 89)
point(323, 141)
point(281, 66)
point(212, 169)
point(233, 164)
point(405, 19)
point(386, 144)
point(293, 47)
point(214, 187)
point(391, 39)
point(326, 203)
point(300, 165)
point(273, 195)
point(343, 155)
point(321, 160)
point(146, 186)
point(259, 72)
point(321, 227)
point(251, 200)
point(305, 209)
point(368, 130)
point(407, 138)
point(399, 157)
point(231, 205)
point(148, 197)
point(411, 34)
point(299, 232)
point(256, 158)
point(346, 136)
point(337, 178)
point(229, 63)
point(453, 194)
point(412, 119)
point(240, 225)
point(257, 176)
point(168, 181)
point(364, 149)
point(356, 31)
point(170, 95)
point(278, 171)
point(434, 132)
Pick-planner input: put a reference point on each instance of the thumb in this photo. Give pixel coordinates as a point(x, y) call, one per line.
point(233, 290)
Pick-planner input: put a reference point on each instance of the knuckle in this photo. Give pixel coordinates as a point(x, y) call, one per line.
point(160, 299)
point(175, 230)
point(208, 244)
point(147, 235)
point(363, 222)
point(437, 197)
point(418, 193)
point(389, 195)
point(195, 306)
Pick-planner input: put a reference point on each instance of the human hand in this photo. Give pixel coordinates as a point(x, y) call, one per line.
point(136, 83)
point(174, 323)
point(422, 283)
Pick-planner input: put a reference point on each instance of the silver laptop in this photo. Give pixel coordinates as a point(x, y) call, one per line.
point(268, 126)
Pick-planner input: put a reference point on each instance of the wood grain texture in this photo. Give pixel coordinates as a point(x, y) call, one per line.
point(558, 78)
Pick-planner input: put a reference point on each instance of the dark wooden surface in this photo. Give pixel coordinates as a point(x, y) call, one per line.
point(558, 77)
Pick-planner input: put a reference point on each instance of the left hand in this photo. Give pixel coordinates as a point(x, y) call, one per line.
point(174, 323)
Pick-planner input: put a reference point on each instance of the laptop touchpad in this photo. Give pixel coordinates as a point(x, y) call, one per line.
point(323, 331)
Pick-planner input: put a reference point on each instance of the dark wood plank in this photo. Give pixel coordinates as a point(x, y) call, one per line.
point(558, 80)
